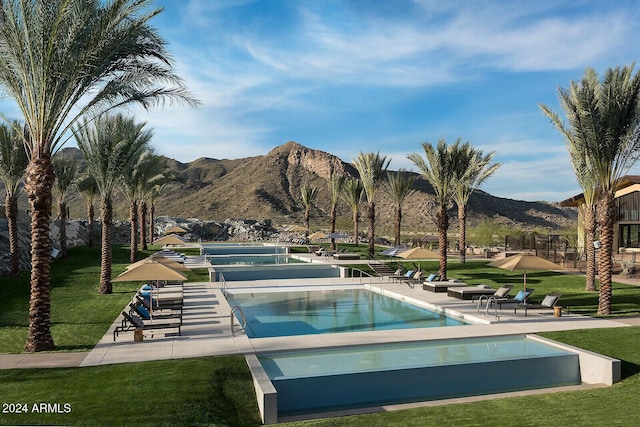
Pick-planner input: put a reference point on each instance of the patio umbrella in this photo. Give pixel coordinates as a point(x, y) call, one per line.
point(175, 229)
point(524, 263)
point(150, 270)
point(418, 253)
point(166, 261)
point(171, 239)
point(317, 235)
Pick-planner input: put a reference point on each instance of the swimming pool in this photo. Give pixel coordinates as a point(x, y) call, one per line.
point(332, 310)
point(239, 249)
point(235, 273)
point(253, 259)
point(364, 376)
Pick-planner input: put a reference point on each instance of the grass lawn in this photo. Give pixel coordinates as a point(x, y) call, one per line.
point(219, 391)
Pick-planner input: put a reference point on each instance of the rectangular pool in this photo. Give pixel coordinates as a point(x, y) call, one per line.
point(304, 312)
point(363, 376)
point(253, 259)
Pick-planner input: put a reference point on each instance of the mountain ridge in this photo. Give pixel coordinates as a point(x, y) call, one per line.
point(268, 187)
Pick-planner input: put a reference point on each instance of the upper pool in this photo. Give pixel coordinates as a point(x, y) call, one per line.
point(239, 249)
point(305, 312)
point(253, 259)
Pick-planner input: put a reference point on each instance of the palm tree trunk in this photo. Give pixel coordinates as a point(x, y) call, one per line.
point(90, 225)
point(371, 216)
point(356, 217)
point(11, 211)
point(398, 225)
point(133, 216)
point(443, 225)
point(605, 264)
point(590, 231)
point(462, 232)
point(39, 179)
point(62, 217)
point(106, 214)
point(332, 219)
point(143, 224)
point(152, 211)
point(306, 222)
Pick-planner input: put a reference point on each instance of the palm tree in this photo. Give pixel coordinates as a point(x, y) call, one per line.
point(87, 186)
point(603, 118)
point(61, 60)
point(438, 169)
point(66, 170)
point(471, 169)
point(109, 147)
point(335, 185)
point(13, 162)
point(352, 192)
point(308, 194)
point(155, 173)
point(371, 167)
point(399, 187)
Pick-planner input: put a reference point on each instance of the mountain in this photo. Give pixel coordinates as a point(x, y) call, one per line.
point(268, 187)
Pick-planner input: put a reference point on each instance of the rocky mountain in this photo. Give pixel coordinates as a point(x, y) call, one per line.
point(268, 187)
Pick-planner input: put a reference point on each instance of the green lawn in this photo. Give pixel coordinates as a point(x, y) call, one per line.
point(218, 391)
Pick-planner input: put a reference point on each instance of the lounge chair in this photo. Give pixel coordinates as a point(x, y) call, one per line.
point(405, 276)
point(500, 293)
point(146, 314)
point(131, 322)
point(522, 297)
point(416, 278)
point(468, 292)
point(549, 302)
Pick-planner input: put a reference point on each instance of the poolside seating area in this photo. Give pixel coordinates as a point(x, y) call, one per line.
point(154, 307)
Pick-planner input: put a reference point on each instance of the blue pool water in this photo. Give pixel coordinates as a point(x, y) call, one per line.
point(253, 259)
point(272, 314)
point(338, 378)
point(239, 249)
point(233, 273)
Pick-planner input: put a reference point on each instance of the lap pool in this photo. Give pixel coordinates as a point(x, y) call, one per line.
point(308, 381)
point(332, 310)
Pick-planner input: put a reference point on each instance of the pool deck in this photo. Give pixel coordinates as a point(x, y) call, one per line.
point(206, 329)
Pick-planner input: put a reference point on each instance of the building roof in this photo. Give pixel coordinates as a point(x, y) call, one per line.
point(578, 199)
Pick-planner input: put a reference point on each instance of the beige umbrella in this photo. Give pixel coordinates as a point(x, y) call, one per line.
point(171, 239)
point(150, 270)
point(174, 229)
point(418, 253)
point(524, 263)
point(317, 235)
point(166, 261)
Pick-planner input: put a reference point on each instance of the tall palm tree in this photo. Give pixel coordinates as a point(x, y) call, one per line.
point(335, 186)
point(471, 168)
point(13, 162)
point(61, 60)
point(603, 115)
point(438, 169)
point(399, 188)
point(308, 193)
point(109, 147)
point(352, 192)
point(66, 170)
point(371, 168)
point(87, 186)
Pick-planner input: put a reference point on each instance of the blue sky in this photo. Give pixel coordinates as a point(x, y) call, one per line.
point(372, 75)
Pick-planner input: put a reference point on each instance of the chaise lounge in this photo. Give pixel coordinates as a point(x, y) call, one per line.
point(131, 322)
point(549, 302)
